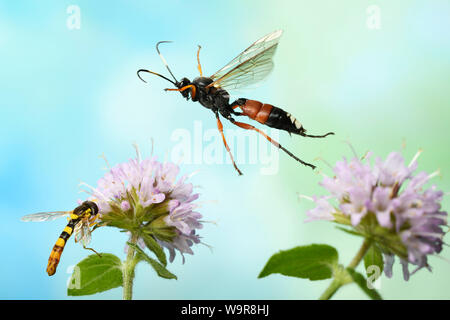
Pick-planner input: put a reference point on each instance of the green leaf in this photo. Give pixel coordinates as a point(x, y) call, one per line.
point(363, 283)
point(95, 274)
point(155, 248)
point(314, 262)
point(354, 233)
point(159, 268)
point(372, 260)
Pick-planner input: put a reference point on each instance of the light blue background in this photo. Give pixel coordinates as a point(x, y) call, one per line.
point(68, 96)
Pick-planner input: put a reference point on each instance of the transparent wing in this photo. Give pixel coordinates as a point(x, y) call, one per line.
point(250, 66)
point(83, 232)
point(45, 216)
point(78, 231)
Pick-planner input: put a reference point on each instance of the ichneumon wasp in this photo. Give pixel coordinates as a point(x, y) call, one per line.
point(250, 66)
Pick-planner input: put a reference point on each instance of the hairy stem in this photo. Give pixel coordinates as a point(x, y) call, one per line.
point(128, 270)
point(339, 281)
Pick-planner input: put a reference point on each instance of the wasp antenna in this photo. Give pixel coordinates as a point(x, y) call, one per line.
point(156, 74)
point(139, 76)
point(164, 60)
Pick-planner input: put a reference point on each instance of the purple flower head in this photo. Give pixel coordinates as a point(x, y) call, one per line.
point(145, 198)
point(388, 203)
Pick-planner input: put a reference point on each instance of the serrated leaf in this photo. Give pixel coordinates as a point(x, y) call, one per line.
point(314, 262)
point(373, 259)
point(362, 282)
point(155, 248)
point(159, 268)
point(95, 274)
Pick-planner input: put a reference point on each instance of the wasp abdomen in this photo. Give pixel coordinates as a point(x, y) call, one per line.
point(271, 116)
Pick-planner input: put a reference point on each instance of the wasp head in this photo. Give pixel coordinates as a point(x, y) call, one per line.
point(184, 82)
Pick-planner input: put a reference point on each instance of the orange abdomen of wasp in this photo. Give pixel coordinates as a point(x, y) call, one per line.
point(257, 110)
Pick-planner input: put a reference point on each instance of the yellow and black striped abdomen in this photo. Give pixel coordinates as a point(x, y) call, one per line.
point(58, 248)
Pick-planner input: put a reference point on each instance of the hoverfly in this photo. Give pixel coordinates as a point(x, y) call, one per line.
point(249, 67)
point(81, 219)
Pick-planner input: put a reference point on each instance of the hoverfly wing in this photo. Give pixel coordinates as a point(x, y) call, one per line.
point(250, 66)
point(87, 235)
point(45, 216)
point(83, 232)
point(78, 231)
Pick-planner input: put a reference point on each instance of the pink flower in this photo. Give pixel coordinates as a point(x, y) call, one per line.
point(391, 193)
point(140, 195)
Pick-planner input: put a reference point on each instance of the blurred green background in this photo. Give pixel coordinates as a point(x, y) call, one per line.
point(70, 95)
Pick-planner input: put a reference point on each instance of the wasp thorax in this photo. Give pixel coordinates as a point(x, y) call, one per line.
point(202, 81)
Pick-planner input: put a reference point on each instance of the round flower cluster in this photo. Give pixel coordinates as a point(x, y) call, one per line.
point(387, 203)
point(145, 197)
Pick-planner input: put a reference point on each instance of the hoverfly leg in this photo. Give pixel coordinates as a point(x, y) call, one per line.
point(97, 225)
point(92, 250)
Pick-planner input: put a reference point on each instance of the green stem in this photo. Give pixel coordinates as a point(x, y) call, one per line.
point(128, 270)
point(331, 290)
point(341, 280)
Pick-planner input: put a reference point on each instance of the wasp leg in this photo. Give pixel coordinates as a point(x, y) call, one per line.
point(247, 126)
point(92, 250)
point(313, 136)
point(220, 127)
point(199, 66)
point(193, 92)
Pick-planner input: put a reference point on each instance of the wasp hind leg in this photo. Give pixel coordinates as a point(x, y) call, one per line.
point(247, 126)
point(220, 127)
point(303, 134)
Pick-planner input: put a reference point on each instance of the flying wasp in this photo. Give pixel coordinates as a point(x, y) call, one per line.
point(81, 219)
point(249, 67)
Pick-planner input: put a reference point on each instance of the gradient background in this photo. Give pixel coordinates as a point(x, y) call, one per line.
point(68, 96)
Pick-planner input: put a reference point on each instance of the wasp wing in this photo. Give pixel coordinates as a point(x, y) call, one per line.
point(45, 216)
point(250, 66)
